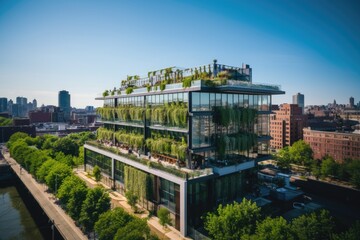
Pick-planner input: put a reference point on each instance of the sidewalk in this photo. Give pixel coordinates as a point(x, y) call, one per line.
point(63, 222)
point(118, 200)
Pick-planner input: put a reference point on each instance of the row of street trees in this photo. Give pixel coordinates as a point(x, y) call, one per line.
point(245, 221)
point(301, 154)
point(50, 160)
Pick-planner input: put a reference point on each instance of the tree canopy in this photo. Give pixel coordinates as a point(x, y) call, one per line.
point(51, 159)
point(5, 121)
point(352, 233)
point(16, 136)
point(110, 221)
point(67, 146)
point(66, 190)
point(233, 220)
point(299, 153)
point(44, 170)
point(57, 174)
point(273, 229)
point(97, 202)
point(137, 229)
point(72, 193)
point(313, 226)
point(328, 167)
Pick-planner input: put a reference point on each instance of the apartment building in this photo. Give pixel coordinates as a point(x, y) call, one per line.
point(286, 125)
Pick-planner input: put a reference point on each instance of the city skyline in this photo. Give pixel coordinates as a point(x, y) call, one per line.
point(85, 46)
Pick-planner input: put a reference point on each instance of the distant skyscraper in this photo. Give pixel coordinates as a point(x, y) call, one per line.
point(34, 102)
point(64, 104)
point(9, 106)
point(299, 100)
point(21, 100)
point(89, 108)
point(15, 110)
point(352, 100)
point(3, 104)
point(22, 107)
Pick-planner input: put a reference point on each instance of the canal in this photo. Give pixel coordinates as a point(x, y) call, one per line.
point(20, 215)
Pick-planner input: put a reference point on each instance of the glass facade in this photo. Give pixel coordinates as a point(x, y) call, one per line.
point(205, 133)
point(229, 187)
point(262, 125)
point(205, 101)
point(199, 200)
point(119, 171)
point(161, 99)
point(109, 102)
point(202, 131)
point(94, 158)
point(131, 101)
point(203, 196)
point(167, 193)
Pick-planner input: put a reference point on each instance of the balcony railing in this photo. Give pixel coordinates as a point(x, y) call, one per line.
point(253, 85)
point(179, 172)
point(203, 83)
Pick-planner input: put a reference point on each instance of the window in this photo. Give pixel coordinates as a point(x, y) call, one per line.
point(202, 128)
point(195, 101)
point(246, 101)
point(212, 100)
point(167, 193)
point(224, 100)
point(241, 100)
point(119, 171)
point(94, 158)
point(204, 101)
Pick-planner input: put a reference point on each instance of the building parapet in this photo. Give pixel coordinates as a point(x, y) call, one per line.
point(234, 168)
point(198, 85)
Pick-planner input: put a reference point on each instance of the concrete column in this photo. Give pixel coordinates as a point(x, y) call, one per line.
point(113, 171)
point(183, 208)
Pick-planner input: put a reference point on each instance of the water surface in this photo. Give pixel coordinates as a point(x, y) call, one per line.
point(15, 219)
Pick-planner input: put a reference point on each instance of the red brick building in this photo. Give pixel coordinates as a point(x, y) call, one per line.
point(340, 146)
point(40, 116)
point(286, 125)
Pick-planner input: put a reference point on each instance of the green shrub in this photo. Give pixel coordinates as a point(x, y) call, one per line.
point(164, 216)
point(97, 173)
point(129, 90)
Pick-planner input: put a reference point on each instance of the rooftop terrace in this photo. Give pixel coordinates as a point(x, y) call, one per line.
point(211, 75)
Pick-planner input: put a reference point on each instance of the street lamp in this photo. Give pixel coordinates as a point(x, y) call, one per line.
point(53, 229)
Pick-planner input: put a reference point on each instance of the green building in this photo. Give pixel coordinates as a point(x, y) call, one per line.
point(183, 139)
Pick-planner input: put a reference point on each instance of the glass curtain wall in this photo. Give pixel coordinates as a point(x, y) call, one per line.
point(204, 131)
point(93, 159)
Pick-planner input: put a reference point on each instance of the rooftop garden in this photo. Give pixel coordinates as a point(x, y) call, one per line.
point(212, 74)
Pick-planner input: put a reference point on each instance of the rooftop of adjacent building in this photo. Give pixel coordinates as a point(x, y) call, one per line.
point(323, 133)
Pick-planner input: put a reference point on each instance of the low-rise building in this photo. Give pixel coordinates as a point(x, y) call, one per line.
point(338, 145)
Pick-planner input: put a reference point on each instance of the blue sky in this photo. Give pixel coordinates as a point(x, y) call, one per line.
point(85, 47)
